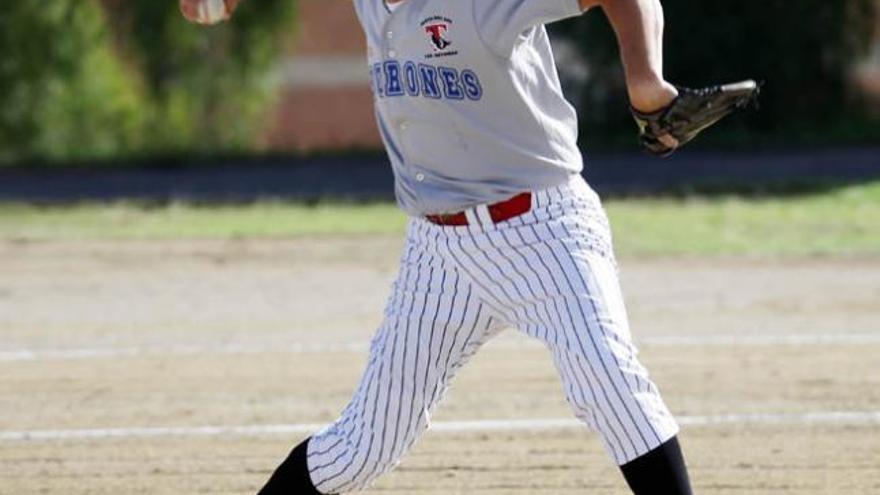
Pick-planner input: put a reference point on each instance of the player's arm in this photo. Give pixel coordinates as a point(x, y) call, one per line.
point(667, 117)
point(639, 28)
point(208, 11)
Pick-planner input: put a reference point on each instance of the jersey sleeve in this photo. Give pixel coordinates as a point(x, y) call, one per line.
point(501, 23)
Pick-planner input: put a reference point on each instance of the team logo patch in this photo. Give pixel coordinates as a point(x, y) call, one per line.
point(436, 30)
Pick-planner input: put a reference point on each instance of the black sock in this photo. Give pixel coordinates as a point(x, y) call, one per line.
point(661, 471)
point(292, 476)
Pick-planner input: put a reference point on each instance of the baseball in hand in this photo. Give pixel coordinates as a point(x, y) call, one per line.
point(207, 11)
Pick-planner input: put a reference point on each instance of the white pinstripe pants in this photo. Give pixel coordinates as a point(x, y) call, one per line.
point(549, 273)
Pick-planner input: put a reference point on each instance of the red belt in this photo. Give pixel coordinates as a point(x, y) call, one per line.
point(498, 212)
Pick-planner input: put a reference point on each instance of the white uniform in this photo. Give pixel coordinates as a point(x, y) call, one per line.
point(470, 109)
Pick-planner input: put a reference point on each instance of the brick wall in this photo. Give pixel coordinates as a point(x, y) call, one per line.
point(325, 99)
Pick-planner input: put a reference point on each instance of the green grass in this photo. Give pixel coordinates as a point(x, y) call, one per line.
point(180, 220)
point(844, 221)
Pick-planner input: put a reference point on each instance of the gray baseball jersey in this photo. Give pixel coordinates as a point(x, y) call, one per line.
point(468, 100)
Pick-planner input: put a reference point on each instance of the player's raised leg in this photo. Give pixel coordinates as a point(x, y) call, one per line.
point(433, 323)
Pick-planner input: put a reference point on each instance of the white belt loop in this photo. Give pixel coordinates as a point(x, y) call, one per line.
point(539, 199)
point(485, 217)
point(474, 223)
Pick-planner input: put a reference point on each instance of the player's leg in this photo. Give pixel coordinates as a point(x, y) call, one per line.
point(610, 389)
point(433, 323)
point(557, 260)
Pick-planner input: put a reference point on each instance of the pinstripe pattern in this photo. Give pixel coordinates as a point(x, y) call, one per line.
point(550, 273)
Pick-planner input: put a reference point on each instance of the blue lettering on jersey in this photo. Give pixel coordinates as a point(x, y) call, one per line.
point(393, 86)
point(378, 87)
point(472, 87)
point(429, 81)
point(451, 85)
point(394, 78)
point(411, 78)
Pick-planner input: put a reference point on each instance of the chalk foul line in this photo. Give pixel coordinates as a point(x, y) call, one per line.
point(831, 418)
point(236, 348)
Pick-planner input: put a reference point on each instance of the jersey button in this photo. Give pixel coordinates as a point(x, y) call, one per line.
point(420, 177)
point(392, 53)
point(389, 34)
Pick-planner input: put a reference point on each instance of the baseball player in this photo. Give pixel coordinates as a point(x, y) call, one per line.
point(503, 231)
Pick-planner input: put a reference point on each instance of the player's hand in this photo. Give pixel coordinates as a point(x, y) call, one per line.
point(663, 131)
point(207, 11)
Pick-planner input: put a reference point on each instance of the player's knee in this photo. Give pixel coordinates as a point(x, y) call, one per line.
point(583, 410)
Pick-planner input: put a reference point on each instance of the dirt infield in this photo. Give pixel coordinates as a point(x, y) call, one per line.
point(771, 364)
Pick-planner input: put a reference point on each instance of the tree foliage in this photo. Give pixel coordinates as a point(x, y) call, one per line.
point(63, 92)
point(207, 87)
point(99, 78)
point(803, 51)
